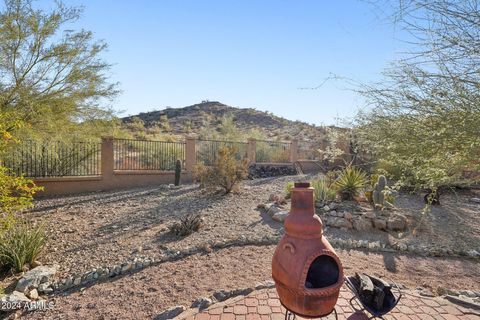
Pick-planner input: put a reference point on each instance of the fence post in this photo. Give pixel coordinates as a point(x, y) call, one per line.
point(294, 151)
point(107, 159)
point(190, 153)
point(252, 151)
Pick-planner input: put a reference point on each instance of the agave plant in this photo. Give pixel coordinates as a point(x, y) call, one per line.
point(323, 190)
point(21, 245)
point(350, 182)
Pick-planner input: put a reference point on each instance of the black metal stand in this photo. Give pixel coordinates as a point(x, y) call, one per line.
point(289, 315)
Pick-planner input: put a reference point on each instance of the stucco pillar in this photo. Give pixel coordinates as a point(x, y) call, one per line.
point(190, 153)
point(252, 150)
point(107, 159)
point(294, 151)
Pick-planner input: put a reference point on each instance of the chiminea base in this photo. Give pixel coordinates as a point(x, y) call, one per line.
point(289, 315)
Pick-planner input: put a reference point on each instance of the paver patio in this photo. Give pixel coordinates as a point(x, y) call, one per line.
point(265, 305)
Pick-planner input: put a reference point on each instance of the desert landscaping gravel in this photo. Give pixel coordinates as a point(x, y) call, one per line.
point(145, 294)
point(106, 228)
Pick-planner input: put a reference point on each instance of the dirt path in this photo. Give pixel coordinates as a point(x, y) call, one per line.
point(145, 294)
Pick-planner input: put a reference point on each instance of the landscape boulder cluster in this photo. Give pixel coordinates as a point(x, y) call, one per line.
point(346, 215)
point(265, 171)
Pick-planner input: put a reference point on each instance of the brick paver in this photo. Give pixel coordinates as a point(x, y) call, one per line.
point(264, 305)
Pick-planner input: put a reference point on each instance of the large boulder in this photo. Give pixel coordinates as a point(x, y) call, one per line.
point(397, 222)
point(33, 278)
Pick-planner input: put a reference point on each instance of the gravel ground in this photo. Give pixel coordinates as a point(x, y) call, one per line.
point(145, 294)
point(107, 228)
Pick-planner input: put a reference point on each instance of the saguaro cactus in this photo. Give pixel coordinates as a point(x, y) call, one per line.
point(178, 171)
point(377, 194)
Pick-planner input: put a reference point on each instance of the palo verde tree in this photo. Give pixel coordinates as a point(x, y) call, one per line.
point(423, 119)
point(50, 76)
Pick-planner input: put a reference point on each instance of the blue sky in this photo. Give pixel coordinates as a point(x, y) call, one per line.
point(242, 53)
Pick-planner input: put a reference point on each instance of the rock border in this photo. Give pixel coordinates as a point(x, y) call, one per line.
point(137, 264)
point(221, 296)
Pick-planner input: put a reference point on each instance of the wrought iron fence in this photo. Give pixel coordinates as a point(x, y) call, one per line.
point(207, 150)
point(310, 150)
point(272, 151)
point(54, 159)
point(147, 155)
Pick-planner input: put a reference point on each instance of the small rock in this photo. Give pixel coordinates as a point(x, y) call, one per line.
point(348, 216)
point(397, 222)
point(452, 292)
point(362, 224)
point(339, 223)
point(473, 253)
point(273, 210)
point(33, 278)
point(380, 224)
point(326, 208)
point(370, 214)
point(280, 216)
point(475, 200)
point(468, 293)
point(426, 292)
point(33, 294)
point(221, 295)
point(42, 288)
point(265, 285)
point(170, 313)
point(36, 263)
point(77, 281)
point(15, 299)
point(202, 303)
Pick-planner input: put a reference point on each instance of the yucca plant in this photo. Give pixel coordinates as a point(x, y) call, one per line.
point(350, 182)
point(21, 245)
point(323, 190)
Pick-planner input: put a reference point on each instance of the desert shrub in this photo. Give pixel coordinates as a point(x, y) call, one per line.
point(16, 192)
point(225, 173)
point(2, 291)
point(350, 182)
point(288, 188)
point(272, 152)
point(323, 190)
point(21, 245)
point(187, 225)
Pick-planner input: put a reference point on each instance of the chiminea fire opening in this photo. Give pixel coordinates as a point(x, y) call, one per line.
point(323, 272)
point(307, 272)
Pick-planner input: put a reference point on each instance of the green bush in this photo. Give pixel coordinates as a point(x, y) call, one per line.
point(288, 188)
point(21, 245)
point(225, 173)
point(350, 182)
point(323, 190)
point(16, 193)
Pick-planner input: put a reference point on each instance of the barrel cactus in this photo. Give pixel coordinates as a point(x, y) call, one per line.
point(178, 171)
point(378, 195)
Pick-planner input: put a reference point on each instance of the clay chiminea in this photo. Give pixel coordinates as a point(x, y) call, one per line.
point(307, 272)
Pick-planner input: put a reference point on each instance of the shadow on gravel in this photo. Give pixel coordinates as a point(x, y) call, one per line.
point(266, 220)
point(389, 262)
